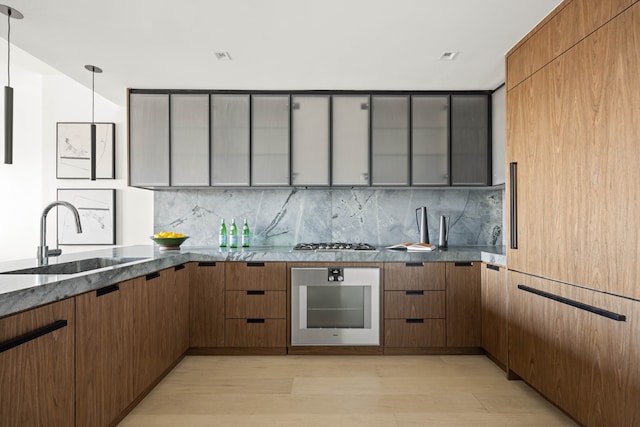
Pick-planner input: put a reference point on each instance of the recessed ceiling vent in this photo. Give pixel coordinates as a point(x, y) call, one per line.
point(448, 56)
point(222, 56)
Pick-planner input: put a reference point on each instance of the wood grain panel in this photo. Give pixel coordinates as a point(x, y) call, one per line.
point(464, 327)
point(428, 333)
point(494, 312)
point(574, 21)
point(104, 355)
point(243, 333)
point(37, 378)
point(400, 276)
point(244, 304)
point(206, 296)
point(243, 276)
point(180, 306)
point(585, 363)
point(403, 304)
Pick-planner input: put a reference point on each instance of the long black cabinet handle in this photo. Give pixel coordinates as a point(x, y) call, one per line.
point(107, 290)
point(152, 276)
point(576, 304)
point(179, 267)
point(8, 345)
point(255, 320)
point(493, 267)
point(513, 204)
point(414, 320)
point(414, 292)
point(207, 264)
point(255, 292)
point(414, 264)
point(464, 264)
point(255, 264)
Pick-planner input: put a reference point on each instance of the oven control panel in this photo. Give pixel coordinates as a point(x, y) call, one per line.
point(336, 275)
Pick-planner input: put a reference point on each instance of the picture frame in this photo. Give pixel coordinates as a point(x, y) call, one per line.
point(97, 209)
point(73, 151)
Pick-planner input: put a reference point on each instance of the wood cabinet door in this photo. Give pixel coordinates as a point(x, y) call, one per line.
point(414, 304)
point(180, 306)
point(206, 304)
point(414, 333)
point(37, 366)
point(571, 344)
point(152, 332)
point(104, 354)
point(256, 304)
point(406, 276)
point(494, 311)
point(258, 332)
point(264, 276)
point(464, 318)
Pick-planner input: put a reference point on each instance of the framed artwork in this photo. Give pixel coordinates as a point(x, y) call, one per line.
point(73, 150)
point(97, 209)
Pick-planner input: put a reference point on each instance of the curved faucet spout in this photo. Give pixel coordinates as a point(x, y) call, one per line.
point(43, 251)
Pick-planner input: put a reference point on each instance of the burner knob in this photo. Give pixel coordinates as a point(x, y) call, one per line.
point(340, 279)
point(331, 278)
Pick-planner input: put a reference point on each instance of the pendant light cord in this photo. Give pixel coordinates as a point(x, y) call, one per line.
point(9, 47)
point(93, 95)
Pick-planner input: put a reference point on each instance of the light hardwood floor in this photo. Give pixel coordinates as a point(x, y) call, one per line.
point(320, 391)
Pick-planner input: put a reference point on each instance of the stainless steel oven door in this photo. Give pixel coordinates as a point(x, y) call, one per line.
point(338, 306)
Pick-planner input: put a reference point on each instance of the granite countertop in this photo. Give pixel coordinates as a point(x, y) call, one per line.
point(20, 292)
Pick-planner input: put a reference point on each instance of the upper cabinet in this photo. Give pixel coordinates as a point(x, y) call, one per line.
point(230, 140)
point(148, 140)
point(390, 140)
point(350, 140)
point(309, 139)
point(470, 148)
point(270, 140)
point(430, 140)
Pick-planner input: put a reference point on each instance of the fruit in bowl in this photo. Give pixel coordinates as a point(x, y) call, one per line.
point(168, 240)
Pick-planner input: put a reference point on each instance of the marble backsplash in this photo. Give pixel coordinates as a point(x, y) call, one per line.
point(289, 216)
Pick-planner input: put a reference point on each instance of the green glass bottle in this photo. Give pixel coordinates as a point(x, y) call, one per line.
point(223, 234)
point(246, 235)
point(233, 235)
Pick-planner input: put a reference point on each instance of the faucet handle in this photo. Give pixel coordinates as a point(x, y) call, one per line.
point(54, 252)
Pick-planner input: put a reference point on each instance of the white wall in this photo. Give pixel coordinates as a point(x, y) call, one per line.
point(43, 97)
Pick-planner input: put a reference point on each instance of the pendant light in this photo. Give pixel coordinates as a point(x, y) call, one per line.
point(8, 90)
point(93, 70)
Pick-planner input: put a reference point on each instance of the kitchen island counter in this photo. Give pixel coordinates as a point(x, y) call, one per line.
point(19, 292)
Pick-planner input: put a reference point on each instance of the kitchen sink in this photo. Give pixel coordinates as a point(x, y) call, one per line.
point(73, 267)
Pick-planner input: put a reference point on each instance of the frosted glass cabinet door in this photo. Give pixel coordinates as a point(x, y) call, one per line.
point(310, 140)
point(470, 140)
point(430, 140)
point(390, 140)
point(230, 140)
point(189, 140)
point(270, 140)
point(148, 140)
point(350, 140)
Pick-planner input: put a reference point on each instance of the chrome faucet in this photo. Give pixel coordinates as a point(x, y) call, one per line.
point(43, 252)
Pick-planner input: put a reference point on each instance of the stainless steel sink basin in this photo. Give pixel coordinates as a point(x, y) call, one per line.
point(74, 267)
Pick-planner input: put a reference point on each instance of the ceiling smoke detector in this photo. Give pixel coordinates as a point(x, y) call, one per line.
point(222, 56)
point(448, 56)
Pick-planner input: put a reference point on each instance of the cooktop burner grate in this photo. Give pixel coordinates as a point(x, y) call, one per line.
point(334, 246)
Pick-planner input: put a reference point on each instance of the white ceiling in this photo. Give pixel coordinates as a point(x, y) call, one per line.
point(275, 44)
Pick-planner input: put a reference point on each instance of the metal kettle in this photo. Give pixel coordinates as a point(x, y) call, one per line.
point(443, 235)
point(423, 228)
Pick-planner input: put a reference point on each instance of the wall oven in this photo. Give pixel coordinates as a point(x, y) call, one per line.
point(335, 306)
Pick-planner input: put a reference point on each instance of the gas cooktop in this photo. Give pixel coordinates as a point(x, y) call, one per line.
point(334, 246)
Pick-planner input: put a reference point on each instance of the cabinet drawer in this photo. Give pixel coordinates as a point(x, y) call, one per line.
point(401, 276)
point(256, 304)
point(244, 276)
point(414, 333)
point(256, 332)
point(414, 304)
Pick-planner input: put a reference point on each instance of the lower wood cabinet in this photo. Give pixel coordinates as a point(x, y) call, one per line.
point(464, 319)
point(494, 312)
point(256, 332)
point(415, 332)
point(179, 339)
point(104, 354)
point(579, 348)
point(37, 366)
point(206, 304)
